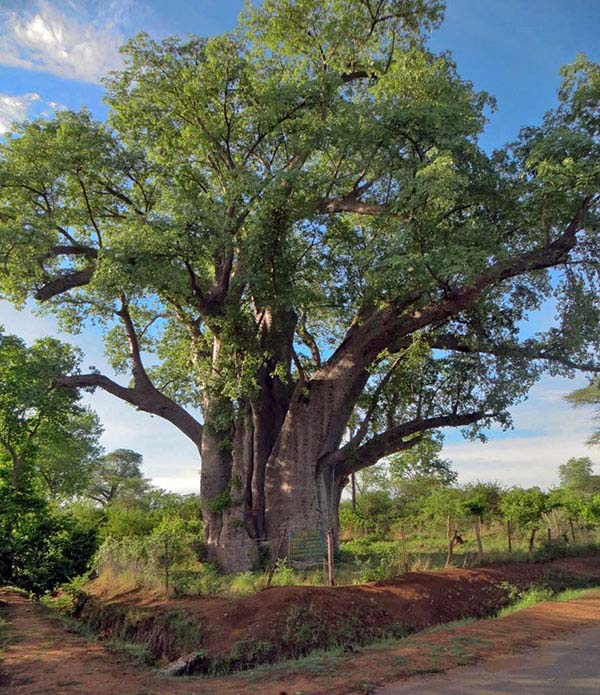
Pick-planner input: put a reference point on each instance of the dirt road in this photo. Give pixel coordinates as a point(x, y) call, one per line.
point(42, 657)
point(564, 667)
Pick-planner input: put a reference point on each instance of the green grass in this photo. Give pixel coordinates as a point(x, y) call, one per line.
point(137, 652)
point(537, 594)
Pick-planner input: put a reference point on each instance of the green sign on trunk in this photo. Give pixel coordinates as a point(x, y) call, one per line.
point(306, 545)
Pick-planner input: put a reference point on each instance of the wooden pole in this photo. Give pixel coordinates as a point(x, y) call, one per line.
point(477, 526)
point(549, 533)
point(451, 548)
point(404, 553)
point(353, 481)
point(330, 566)
point(509, 534)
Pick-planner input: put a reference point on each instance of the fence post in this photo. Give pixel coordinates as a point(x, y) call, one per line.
point(477, 527)
point(330, 566)
point(404, 553)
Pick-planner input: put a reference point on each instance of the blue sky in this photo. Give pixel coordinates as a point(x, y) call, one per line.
point(54, 52)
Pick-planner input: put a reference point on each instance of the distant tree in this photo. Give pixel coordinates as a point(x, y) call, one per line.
point(117, 475)
point(422, 461)
point(413, 474)
point(577, 478)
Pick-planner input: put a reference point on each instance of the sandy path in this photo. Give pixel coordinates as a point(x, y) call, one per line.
point(43, 658)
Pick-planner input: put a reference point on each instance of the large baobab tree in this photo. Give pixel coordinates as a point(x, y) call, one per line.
point(291, 228)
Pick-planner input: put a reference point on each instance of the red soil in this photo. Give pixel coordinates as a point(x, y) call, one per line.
point(42, 657)
point(412, 601)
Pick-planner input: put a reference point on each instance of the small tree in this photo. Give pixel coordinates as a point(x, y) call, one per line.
point(43, 429)
point(524, 508)
point(481, 499)
point(117, 475)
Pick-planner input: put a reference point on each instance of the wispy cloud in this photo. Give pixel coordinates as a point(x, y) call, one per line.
point(63, 41)
point(15, 108)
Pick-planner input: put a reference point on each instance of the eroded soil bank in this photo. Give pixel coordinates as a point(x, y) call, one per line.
point(41, 656)
point(223, 635)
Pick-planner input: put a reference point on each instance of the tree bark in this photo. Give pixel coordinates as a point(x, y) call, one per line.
point(451, 541)
point(531, 542)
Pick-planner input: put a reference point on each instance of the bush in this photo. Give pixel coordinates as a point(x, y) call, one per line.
point(167, 558)
point(47, 548)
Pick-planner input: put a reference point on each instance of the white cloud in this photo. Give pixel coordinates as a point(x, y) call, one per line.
point(15, 108)
point(61, 43)
point(547, 433)
point(523, 461)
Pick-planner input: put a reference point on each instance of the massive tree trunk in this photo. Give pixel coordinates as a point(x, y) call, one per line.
point(303, 488)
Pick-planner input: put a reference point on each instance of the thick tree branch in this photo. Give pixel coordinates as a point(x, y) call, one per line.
point(361, 433)
point(530, 352)
point(63, 284)
point(140, 376)
point(72, 250)
point(309, 340)
point(350, 202)
point(150, 401)
point(349, 460)
point(387, 327)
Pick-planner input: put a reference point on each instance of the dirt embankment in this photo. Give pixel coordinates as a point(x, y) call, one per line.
point(225, 635)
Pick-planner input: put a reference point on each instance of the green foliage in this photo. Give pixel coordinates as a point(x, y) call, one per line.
point(48, 438)
point(167, 557)
point(374, 514)
point(587, 396)
point(219, 503)
point(523, 507)
point(41, 546)
point(481, 499)
point(126, 521)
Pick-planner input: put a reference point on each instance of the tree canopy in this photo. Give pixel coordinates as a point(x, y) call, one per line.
point(292, 225)
point(117, 475)
point(47, 437)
